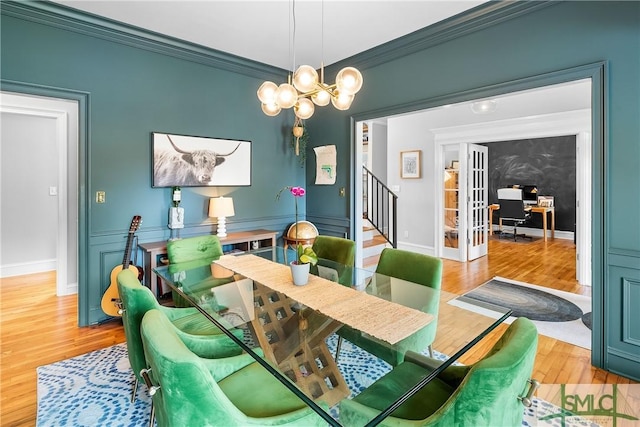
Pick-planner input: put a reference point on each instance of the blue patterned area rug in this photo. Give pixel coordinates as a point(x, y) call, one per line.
point(94, 389)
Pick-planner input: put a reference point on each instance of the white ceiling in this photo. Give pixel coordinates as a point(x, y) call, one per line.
point(329, 30)
point(325, 30)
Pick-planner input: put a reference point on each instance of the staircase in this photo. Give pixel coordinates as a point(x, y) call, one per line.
point(372, 245)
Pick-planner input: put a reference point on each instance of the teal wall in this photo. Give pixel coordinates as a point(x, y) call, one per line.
point(132, 92)
point(507, 55)
point(496, 48)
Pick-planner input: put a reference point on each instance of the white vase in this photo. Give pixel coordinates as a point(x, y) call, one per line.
point(299, 273)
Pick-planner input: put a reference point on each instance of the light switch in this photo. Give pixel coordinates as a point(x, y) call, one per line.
point(395, 188)
point(53, 191)
point(100, 196)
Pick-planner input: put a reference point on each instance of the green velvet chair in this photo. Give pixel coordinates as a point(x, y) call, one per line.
point(489, 393)
point(335, 253)
point(137, 299)
point(188, 390)
point(190, 253)
point(412, 267)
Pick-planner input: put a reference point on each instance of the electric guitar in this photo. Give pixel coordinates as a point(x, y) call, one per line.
point(111, 298)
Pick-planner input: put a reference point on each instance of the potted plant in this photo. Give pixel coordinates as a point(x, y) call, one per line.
point(305, 256)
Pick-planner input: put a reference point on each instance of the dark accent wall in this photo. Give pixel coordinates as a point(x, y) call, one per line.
point(548, 163)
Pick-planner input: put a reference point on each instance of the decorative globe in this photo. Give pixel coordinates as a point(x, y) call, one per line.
point(306, 230)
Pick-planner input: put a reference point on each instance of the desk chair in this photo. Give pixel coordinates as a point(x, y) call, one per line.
point(512, 210)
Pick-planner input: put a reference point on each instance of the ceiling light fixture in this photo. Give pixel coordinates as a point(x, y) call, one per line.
point(305, 88)
point(484, 107)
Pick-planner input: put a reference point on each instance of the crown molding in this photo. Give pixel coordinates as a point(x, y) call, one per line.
point(475, 19)
point(60, 16)
point(63, 17)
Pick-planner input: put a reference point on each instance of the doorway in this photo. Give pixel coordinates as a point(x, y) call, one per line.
point(561, 109)
point(40, 215)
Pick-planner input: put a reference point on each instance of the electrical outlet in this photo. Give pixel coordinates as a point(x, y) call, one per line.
point(101, 196)
point(341, 192)
point(406, 233)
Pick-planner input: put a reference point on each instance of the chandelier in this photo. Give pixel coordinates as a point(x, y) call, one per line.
point(305, 88)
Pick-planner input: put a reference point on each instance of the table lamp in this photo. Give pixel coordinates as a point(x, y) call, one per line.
point(221, 207)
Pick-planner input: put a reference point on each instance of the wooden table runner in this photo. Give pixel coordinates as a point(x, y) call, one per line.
point(385, 320)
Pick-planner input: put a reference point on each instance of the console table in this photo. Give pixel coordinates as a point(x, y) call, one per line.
point(234, 242)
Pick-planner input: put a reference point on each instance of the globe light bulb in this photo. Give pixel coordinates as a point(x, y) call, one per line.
point(304, 108)
point(349, 80)
point(321, 98)
point(342, 101)
point(305, 78)
point(271, 109)
point(267, 92)
point(286, 95)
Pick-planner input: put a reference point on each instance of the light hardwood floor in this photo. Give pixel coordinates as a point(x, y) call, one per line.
point(38, 328)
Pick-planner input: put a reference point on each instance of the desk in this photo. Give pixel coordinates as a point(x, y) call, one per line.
point(241, 240)
point(542, 210)
point(259, 297)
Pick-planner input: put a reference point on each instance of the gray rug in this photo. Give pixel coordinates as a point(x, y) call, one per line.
point(557, 314)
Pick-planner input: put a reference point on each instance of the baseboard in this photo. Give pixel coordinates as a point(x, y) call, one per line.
point(19, 269)
point(537, 232)
point(425, 250)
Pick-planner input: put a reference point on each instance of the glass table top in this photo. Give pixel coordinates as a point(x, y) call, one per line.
point(297, 343)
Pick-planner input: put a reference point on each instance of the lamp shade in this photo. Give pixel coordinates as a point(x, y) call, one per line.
point(221, 207)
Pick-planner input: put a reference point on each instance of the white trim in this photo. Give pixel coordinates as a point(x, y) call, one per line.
point(540, 126)
point(22, 268)
point(66, 119)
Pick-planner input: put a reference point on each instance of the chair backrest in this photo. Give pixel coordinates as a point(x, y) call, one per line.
point(411, 266)
point(482, 394)
point(335, 253)
point(511, 204)
point(342, 251)
point(205, 247)
point(490, 390)
point(189, 395)
point(418, 268)
point(136, 300)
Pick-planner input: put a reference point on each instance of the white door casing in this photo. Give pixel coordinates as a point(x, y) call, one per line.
point(65, 113)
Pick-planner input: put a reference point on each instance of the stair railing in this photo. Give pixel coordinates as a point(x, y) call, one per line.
point(379, 205)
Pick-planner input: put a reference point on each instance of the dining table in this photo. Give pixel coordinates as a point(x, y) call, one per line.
point(291, 330)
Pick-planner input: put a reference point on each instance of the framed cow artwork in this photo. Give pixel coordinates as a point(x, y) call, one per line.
point(194, 161)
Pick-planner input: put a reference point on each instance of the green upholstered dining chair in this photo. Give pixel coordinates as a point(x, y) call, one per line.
point(338, 250)
point(413, 267)
point(188, 390)
point(489, 393)
point(191, 252)
point(137, 299)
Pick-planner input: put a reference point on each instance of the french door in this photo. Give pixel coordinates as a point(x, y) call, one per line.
point(464, 213)
point(477, 212)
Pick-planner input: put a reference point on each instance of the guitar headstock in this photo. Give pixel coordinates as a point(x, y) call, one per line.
point(135, 224)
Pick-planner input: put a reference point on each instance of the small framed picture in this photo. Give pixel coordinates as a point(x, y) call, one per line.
point(455, 164)
point(410, 166)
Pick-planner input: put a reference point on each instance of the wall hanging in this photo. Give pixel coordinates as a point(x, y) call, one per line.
point(193, 161)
